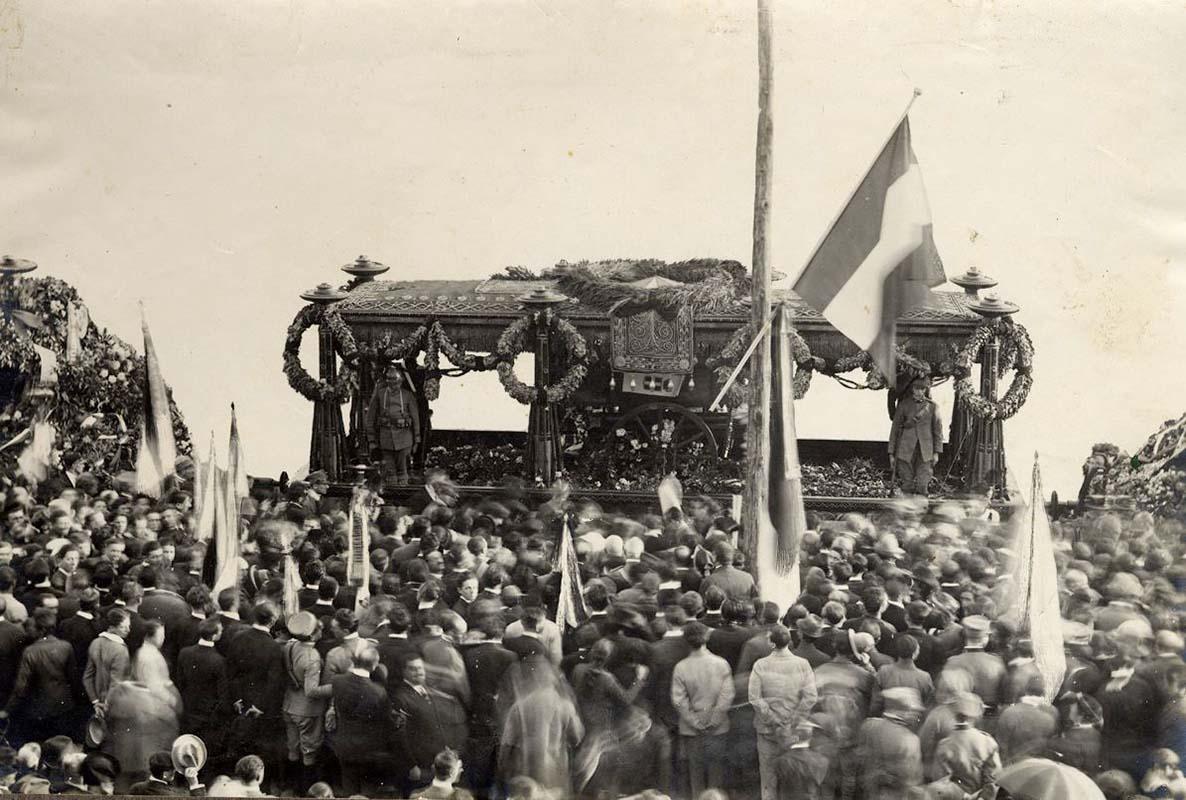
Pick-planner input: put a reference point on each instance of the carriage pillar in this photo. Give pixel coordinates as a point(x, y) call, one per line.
point(986, 466)
point(543, 431)
point(327, 446)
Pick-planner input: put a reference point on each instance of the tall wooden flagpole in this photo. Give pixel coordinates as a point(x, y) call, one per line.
point(757, 439)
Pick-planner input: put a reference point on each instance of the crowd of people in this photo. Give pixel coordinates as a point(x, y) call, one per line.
point(893, 675)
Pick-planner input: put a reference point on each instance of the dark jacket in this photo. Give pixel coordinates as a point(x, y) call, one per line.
point(12, 644)
point(255, 671)
point(79, 632)
point(201, 678)
point(434, 721)
point(48, 680)
point(486, 663)
point(364, 718)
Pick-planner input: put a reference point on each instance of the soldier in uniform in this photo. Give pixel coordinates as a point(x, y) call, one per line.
point(916, 439)
point(393, 423)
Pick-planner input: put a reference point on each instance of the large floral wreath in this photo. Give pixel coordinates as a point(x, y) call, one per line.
point(304, 384)
point(1016, 342)
point(514, 340)
point(907, 365)
point(723, 363)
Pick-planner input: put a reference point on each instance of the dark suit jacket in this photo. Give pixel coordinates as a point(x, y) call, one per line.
point(306, 597)
point(394, 652)
point(12, 644)
point(365, 728)
point(201, 678)
point(255, 671)
point(434, 721)
point(665, 654)
point(48, 680)
point(486, 663)
point(79, 633)
point(231, 628)
point(727, 642)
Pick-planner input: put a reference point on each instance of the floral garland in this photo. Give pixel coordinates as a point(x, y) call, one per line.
point(1016, 340)
point(907, 364)
point(723, 363)
point(304, 384)
point(514, 341)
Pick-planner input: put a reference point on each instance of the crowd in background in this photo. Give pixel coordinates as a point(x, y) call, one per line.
point(893, 675)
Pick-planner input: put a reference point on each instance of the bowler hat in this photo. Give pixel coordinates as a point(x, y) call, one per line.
point(810, 626)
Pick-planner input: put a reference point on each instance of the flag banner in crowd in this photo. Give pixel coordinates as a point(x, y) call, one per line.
point(570, 607)
point(878, 260)
point(205, 495)
point(34, 460)
point(158, 453)
point(292, 576)
point(358, 562)
point(671, 493)
point(1034, 600)
point(226, 533)
point(236, 465)
point(782, 523)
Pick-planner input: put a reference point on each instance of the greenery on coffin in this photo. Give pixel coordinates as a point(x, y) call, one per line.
point(99, 398)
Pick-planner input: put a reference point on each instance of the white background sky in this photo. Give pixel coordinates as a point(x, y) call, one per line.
point(216, 158)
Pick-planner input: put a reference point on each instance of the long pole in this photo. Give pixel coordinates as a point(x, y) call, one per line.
point(757, 438)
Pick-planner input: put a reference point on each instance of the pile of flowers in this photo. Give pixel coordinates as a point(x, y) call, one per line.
point(1163, 494)
point(99, 398)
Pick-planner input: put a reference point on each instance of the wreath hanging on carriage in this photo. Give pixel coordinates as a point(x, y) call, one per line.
point(304, 384)
point(516, 339)
point(1017, 352)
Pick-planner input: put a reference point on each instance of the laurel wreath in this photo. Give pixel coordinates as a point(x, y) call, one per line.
point(723, 363)
point(304, 384)
point(515, 340)
point(1016, 342)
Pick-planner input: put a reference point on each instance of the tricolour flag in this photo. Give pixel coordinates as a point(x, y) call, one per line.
point(231, 492)
point(158, 452)
point(878, 260)
point(570, 609)
point(1034, 609)
point(236, 465)
point(784, 521)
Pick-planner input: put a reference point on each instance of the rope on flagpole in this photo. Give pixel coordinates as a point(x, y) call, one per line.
point(749, 351)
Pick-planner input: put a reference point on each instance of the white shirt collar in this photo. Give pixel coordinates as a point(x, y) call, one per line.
point(205, 643)
point(362, 673)
point(262, 628)
point(84, 614)
point(114, 637)
point(196, 615)
point(229, 615)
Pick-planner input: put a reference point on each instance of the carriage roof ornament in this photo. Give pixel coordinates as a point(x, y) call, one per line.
point(542, 298)
point(973, 280)
point(16, 266)
point(363, 269)
point(991, 305)
point(323, 294)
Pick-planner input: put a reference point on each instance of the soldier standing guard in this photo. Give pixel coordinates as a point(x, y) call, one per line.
point(393, 423)
point(916, 439)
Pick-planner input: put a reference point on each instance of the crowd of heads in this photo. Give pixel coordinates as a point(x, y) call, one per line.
point(905, 621)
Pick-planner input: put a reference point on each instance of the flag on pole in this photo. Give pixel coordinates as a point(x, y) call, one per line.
point(358, 564)
point(1034, 609)
point(205, 494)
point(570, 610)
point(158, 452)
point(784, 522)
point(226, 532)
point(878, 260)
point(235, 462)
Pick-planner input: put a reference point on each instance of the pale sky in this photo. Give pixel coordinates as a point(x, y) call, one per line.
point(215, 158)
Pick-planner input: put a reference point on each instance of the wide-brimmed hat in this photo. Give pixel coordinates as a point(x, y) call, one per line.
point(189, 752)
